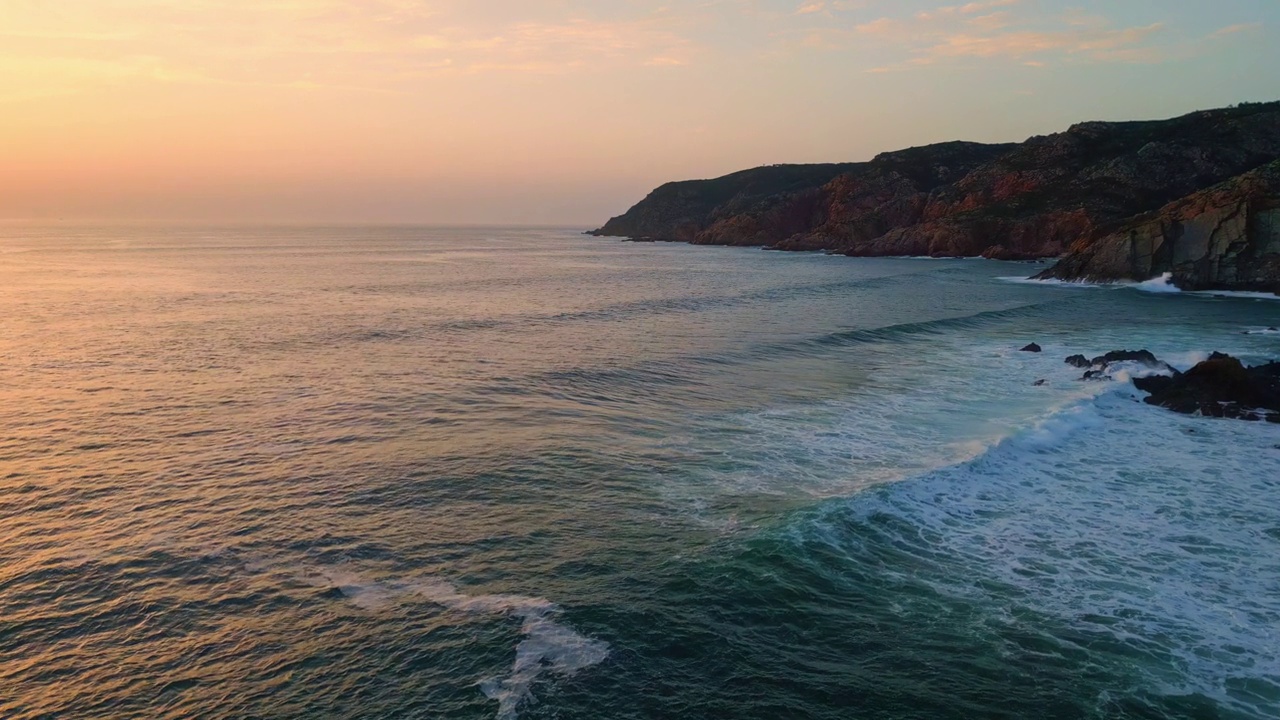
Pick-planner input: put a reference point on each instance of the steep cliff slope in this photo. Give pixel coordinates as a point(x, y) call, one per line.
point(1225, 237)
point(1028, 200)
point(679, 211)
point(770, 205)
point(1052, 191)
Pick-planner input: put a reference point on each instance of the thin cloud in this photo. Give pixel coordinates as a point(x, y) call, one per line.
point(1235, 30)
point(969, 9)
point(321, 43)
point(979, 30)
point(992, 21)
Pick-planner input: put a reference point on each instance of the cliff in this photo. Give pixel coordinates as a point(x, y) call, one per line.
point(802, 207)
point(1225, 237)
point(1018, 201)
point(680, 211)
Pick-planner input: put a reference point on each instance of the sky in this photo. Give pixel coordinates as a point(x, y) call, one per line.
point(557, 111)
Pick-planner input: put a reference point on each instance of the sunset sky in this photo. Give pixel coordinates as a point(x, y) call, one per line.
point(556, 111)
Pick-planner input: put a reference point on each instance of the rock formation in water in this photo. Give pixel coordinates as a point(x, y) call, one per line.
point(1102, 367)
point(1093, 183)
point(1219, 387)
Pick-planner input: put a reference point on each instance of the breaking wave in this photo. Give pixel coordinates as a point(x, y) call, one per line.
point(1109, 520)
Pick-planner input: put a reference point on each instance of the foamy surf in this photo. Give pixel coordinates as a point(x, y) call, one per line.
point(942, 409)
point(1052, 282)
point(1163, 285)
point(1239, 294)
point(1123, 523)
point(548, 646)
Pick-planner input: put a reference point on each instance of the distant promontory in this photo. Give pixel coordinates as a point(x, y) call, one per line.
point(1197, 196)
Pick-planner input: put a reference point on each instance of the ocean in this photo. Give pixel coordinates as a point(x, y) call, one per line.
point(401, 472)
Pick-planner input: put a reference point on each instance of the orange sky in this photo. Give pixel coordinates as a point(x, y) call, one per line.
point(551, 111)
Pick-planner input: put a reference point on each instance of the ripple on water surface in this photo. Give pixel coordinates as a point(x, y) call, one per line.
point(404, 472)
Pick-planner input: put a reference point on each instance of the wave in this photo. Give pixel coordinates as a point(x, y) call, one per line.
point(602, 384)
point(889, 332)
point(1164, 284)
point(697, 302)
point(930, 257)
point(1105, 524)
point(691, 303)
point(948, 403)
point(883, 333)
point(1238, 294)
point(1021, 280)
point(1160, 285)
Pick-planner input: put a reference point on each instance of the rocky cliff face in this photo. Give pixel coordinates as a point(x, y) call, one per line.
point(1029, 200)
point(680, 211)
point(802, 207)
point(1225, 237)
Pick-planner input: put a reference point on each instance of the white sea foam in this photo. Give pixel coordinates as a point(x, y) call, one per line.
point(945, 407)
point(1124, 520)
point(1241, 294)
point(548, 646)
point(1162, 284)
point(1019, 279)
point(1056, 429)
point(1072, 501)
point(930, 257)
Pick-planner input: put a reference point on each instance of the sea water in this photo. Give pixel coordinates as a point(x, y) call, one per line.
point(495, 473)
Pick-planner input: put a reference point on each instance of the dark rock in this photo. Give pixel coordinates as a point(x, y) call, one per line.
point(1032, 348)
point(1143, 356)
point(1099, 368)
point(1154, 383)
point(1219, 387)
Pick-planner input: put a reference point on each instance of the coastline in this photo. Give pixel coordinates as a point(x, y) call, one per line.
point(1197, 196)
